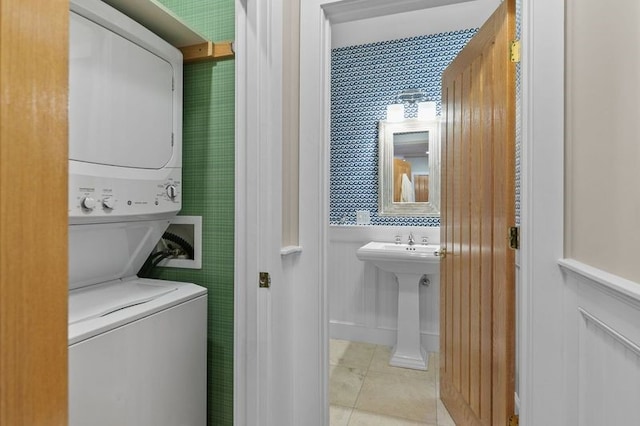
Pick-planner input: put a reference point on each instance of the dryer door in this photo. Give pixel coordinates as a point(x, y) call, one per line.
point(120, 100)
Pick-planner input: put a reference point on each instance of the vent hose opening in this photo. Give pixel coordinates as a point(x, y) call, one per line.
point(175, 247)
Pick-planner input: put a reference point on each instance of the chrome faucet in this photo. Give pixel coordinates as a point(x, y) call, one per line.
point(411, 240)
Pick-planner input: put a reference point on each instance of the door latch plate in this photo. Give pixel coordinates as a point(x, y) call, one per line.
point(514, 237)
point(265, 280)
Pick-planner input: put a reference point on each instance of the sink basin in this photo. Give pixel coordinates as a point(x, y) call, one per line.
point(408, 263)
point(402, 258)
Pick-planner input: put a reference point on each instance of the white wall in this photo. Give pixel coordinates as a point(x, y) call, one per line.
point(471, 14)
point(603, 135)
point(601, 291)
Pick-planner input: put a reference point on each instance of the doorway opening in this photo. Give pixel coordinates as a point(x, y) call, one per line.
point(362, 308)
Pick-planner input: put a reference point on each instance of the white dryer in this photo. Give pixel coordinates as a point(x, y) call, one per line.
point(137, 347)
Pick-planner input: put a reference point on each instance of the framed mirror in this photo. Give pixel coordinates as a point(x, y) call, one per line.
point(409, 168)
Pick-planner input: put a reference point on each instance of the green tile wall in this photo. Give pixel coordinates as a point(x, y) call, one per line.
point(208, 190)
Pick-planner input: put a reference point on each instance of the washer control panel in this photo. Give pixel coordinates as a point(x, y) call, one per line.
point(102, 198)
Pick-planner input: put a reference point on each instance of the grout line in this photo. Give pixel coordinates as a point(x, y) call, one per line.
point(373, 354)
point(364, 379)
point(350, 414)
point(366, 374)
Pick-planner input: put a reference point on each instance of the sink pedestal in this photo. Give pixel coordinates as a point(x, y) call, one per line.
point(408, 262)
point(408, 352)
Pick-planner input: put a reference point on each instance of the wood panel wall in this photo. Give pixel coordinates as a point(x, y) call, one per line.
point(33, 212)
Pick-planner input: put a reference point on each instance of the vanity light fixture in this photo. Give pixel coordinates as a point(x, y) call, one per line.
point(411, 96)
point(426, 109)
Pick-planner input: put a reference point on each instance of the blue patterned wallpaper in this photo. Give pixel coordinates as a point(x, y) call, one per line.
point(518, 182)
point(364, 80)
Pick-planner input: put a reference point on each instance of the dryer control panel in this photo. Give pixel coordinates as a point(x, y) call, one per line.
point(96, 199)
point(125, 119)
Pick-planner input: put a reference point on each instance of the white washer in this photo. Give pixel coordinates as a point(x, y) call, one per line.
point(137, 347)
point(137, 354)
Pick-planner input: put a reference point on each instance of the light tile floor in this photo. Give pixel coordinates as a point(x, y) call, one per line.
point(365, 390)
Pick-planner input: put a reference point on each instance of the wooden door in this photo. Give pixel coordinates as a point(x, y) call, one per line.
point(400, 167)
point(477, 328)
point(33, 212)
point(422, 188)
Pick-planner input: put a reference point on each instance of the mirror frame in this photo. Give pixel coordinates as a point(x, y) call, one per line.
point(386, 206)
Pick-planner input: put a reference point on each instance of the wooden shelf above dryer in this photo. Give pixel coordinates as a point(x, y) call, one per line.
point(207, 51)
point(163, 22)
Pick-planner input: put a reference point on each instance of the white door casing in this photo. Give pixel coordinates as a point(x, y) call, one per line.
point(541, 357)
point(278, 351)
point(257, 231)
point(264, 388)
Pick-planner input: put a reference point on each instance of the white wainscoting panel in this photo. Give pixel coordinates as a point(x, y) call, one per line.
point(603, 346)
point(363, 300)
point(350, 307)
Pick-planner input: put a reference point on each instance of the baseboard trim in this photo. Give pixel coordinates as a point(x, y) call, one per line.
point(379, 336)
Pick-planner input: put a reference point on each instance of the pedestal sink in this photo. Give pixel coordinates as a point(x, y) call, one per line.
point(408, 263)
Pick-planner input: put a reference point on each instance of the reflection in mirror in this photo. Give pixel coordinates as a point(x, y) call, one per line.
point(409, 168)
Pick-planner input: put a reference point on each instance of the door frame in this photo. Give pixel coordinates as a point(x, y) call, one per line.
point(540, 296)
point(542, 389)
point(253, 97)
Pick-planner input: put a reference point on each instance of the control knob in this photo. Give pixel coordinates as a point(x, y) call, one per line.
point(109, 203)
point(88, 203)
point(172, 191)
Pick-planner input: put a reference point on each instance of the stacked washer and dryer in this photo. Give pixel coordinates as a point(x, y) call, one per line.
point(137, 347)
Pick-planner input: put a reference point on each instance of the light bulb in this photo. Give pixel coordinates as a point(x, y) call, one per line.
point(395, 112)
point(426, 111)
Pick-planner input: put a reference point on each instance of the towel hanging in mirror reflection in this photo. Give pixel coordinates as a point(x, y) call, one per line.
point(407, 195)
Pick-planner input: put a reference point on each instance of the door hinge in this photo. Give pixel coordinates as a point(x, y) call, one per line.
point(265, 280)
point(173, 84)
point(172, 139)
point(514, 237)
point(514, 420)
point(514, 51)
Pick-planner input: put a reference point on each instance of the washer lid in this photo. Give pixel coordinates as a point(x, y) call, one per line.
point(101, 300)
point(101, 308)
